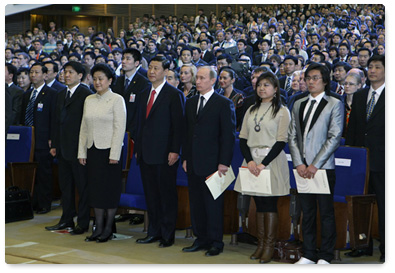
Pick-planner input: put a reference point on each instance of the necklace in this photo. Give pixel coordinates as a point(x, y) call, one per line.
point(257, 127)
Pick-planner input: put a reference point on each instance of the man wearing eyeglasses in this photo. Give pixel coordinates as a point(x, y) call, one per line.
point(313, 136)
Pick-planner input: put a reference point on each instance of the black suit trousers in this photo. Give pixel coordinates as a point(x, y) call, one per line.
point(207, 214)
point(42, 195)
point(73, 175)
point(377, 186)
point(309, 223)
point(159, 183)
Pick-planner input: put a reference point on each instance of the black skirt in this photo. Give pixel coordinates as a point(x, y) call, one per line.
point(104, 179)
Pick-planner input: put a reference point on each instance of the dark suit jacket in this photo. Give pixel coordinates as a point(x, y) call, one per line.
point(370, 134)
point(142, 71)
point(42, 119)
point(209, 139)
point(58, 86)
point(136, 87)
point(161, 132)
point(67, 122)
point(208, 57)
point(16, 94)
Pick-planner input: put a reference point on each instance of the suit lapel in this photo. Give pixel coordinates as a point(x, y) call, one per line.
point(318, 111)
point(208, 105)
point(301, 110)
point(157, 101)
point(379, 106)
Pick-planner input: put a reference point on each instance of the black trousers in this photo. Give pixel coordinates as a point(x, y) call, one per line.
point(207, 214)
point(73, 175)
point(309, 207)
point(377, 186)
point(159, 183)
point(42, 196)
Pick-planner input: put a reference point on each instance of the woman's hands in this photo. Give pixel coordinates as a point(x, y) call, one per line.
point(255, 169)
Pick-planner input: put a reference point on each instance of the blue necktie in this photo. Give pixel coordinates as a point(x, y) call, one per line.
point(30, 110)
point(370, 107)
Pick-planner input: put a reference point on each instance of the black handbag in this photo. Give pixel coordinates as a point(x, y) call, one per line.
point(18, 205)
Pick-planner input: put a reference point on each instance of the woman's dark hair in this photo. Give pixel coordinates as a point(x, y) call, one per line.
point(276, 101)
point(106, 69)
point(230, 71)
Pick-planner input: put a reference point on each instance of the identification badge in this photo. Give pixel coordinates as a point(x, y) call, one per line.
point(132, 97)
point(40, 106)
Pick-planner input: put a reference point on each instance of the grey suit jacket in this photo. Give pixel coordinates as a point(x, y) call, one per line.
point(324, 134)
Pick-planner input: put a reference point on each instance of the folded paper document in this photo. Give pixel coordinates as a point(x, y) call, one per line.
point(217, 185)
point(318, 184)
point(255, 184)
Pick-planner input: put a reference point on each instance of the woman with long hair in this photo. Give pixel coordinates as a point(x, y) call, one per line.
point(227, 78)
point(263, 136)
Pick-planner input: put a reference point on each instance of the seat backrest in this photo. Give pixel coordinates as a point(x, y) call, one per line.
point(126, 151)
point(19, 144)
point(352, 168)
point(134, 184)
point(237, 160)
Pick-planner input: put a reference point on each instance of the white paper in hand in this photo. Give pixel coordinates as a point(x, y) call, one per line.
point(217, 185)
point(255, 184)
point(317, 185)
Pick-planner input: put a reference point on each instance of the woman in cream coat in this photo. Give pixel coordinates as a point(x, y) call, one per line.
point(101, 138)
point(263, 135)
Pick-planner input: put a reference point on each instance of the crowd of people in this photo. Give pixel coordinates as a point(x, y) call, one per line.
point(304, 74)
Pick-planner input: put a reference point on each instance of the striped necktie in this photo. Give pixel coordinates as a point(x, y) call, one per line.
point(288, 84)
point(370, 107)
point(30, 109)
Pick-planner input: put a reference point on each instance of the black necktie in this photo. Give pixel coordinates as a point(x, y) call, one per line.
point(306, 119)
point(200, 105)
point(30, 109)
point(126, 84)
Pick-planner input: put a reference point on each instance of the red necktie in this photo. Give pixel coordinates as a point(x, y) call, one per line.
point(150, 102)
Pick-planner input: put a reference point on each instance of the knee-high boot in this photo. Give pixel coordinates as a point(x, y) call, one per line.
point(271, 223)
point(260, 232)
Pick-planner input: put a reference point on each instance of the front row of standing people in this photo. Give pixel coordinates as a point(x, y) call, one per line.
point(205, 127)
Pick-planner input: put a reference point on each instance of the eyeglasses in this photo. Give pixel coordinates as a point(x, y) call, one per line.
point(315, 78)
point(349, 83)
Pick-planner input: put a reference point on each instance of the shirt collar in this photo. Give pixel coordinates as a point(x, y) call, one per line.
point(208, 95)
point(317, 98)
point(378, 90)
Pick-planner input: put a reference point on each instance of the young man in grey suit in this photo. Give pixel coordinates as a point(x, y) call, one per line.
point(314, 135)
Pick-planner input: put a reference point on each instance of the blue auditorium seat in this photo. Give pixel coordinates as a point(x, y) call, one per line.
point(133, 197)
point(19, 144)
point(19, 155)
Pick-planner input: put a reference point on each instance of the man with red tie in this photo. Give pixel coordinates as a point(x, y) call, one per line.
point(158, 144)
point(340, 70)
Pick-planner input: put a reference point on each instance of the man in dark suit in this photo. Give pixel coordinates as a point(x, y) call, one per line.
point(158, 144)
point(208, 147)
point(15, 92)
point(37, 110)
point(207, 55)
point(366, 127)
point(52, 73)
point(66, 131)
point(314, 135)
point(130, 85)
point(290, 63)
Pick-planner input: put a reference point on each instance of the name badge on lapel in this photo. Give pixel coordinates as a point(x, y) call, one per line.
point(40, 107)
point(132, 97)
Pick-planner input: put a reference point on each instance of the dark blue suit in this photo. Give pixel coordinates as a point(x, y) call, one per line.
point(42, 122)
point(132, 97)
point(65, 138)
point(209, 141)
point(158, 135)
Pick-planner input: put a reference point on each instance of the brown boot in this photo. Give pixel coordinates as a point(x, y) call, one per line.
point(260, 232)
point(271, 223)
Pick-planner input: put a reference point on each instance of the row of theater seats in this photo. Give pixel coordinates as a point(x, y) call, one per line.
point(353, 207)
